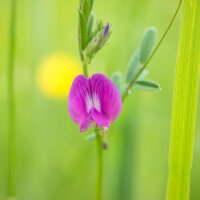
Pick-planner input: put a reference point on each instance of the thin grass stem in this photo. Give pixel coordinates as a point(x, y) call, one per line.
point(11, 103)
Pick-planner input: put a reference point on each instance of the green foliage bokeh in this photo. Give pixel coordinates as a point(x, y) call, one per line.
point(53, 160)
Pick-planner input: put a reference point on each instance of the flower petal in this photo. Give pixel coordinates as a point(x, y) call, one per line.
point(94, 118)
point(99, 118)
point(110, 99)
point(94, 101)
point(87, 123)
point(76, 100)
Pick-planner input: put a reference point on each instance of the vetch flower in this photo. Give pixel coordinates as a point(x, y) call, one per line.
point(93, 101)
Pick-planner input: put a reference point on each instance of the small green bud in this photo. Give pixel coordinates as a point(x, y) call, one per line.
point(97, 43)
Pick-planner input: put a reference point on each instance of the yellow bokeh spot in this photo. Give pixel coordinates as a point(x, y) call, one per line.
point(56, 73)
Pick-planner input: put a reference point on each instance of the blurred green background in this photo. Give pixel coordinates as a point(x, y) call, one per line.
point(53, 160)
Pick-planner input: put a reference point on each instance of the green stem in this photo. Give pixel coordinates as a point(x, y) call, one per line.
point(99, 168)
point(85, 70)
point(11, 106)
point(153, 53)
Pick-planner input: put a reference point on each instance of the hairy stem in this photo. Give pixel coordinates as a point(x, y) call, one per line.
point(153, 53)
point(11, 106)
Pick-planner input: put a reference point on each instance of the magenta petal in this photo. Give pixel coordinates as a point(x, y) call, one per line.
point(94, 101)
point(76, 99)
point(87, 122)
point(99, 118)
point(94, 118)
point(111, 102)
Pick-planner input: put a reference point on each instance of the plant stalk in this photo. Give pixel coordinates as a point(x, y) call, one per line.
point(85, 70)
point(11, 103)
point(128, 88)
point(99, 179)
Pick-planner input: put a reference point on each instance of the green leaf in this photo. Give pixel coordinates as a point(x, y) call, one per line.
point(148, 41)
point(133, 67)
point(82, 32)
point(143, 75)
point(184, 108)
point(84, 14)
point(147, 85)
point(117, 80)
point(91, 3)
point(99, 26)
point(92, 136)
point(90, 26)
point(86, 8)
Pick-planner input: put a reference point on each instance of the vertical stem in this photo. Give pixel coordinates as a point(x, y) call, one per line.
point(184, 103)
point(99, 179)
point(85, 71)
point(11, 106)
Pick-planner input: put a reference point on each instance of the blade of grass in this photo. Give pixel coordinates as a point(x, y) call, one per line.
point(11, 106)
point(184, 103)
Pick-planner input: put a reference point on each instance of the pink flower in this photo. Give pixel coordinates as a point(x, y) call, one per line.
point(94, 101)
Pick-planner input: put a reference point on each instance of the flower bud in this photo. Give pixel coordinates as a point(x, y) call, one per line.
point(97, 42)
